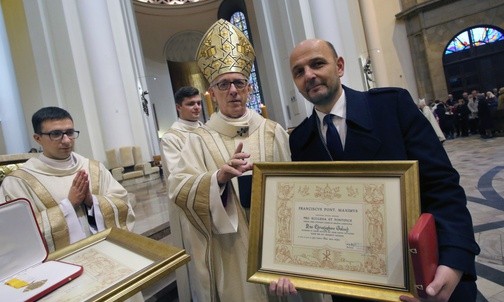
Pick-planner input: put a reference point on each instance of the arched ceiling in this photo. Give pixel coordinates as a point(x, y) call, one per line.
point(158, 23)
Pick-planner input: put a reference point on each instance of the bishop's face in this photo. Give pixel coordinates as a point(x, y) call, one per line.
point(231, 91)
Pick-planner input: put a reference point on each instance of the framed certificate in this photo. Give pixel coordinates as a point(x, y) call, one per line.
point(335, 227)
point(117, 264)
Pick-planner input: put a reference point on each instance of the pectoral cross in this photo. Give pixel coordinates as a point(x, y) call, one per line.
point(242, 131)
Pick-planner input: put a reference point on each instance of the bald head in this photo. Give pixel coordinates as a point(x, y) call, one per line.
point(316, 70)
point(311, 43)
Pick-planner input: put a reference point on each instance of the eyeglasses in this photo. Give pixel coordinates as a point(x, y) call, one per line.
point(56, 135)
point(225, 85)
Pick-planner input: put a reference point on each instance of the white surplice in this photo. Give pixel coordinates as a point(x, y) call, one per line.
point(46, 186)
point(171, 145)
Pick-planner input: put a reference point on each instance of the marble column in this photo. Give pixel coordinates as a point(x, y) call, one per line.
point(13, 132)
point(335, 21)
point(375, 49)
point(110, 97)
point(325, 22)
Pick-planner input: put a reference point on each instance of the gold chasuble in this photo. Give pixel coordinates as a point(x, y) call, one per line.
point(216, 236)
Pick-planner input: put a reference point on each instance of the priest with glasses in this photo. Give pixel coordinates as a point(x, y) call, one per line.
point(72, 196)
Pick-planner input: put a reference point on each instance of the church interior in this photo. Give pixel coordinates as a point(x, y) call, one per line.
point(115, 65)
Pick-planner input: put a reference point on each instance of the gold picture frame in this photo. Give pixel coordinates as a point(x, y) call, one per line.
point(117, 264)
point(335, 227)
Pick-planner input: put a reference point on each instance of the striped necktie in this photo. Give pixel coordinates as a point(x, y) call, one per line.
point(333, 139)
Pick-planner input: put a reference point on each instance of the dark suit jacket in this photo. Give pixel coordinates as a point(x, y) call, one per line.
point(385, 124)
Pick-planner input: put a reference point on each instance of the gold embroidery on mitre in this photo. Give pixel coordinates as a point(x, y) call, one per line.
point(224, 48)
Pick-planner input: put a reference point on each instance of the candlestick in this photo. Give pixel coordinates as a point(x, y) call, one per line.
point(209, 104)
point(264, 111)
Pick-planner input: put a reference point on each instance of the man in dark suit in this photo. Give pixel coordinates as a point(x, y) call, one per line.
point(385, 124)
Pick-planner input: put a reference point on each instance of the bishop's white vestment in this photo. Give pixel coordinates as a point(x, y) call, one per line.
point(215, 236)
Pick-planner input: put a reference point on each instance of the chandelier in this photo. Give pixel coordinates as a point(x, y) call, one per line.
point(170, 2)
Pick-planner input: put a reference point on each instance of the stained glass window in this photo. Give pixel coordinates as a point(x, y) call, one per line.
point(460, 42)
point(474, 37)
point(238, 20)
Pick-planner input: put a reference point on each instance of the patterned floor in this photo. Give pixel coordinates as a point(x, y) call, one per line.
point(481, 167)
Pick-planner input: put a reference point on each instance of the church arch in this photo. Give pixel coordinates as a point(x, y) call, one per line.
point(474, 59)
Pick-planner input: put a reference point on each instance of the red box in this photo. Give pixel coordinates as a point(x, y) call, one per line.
point(423, 247)
point(24, 273)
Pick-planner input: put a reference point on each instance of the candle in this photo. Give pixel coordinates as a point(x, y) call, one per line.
point(209, 103)
point(264, 111)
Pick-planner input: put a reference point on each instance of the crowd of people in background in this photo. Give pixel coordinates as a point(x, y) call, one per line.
point(472, 114)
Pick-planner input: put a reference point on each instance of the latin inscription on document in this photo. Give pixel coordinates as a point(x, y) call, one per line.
point(331, 226)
